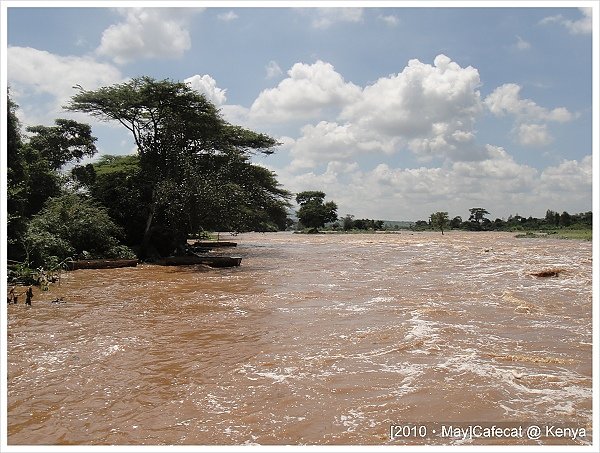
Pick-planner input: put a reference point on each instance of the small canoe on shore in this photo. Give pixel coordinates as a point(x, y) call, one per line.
point(101, 264)
point(212, 261)
point(214, 244)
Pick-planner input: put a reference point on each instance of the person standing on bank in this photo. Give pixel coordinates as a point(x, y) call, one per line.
point(29, 296)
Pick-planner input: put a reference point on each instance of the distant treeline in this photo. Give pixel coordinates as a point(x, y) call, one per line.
point(478, 222)
point(350, 223)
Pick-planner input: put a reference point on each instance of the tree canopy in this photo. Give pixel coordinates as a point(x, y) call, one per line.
point(314, 212)
point(234, 195)
point(169, 122)
point(32, 164)
point(194, 165)
point(477, 214)
point(439, 220)
point(65, 142)
point(16, 183)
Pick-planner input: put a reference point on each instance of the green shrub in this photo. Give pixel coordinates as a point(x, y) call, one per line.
point(120, 251)
point(70, 225)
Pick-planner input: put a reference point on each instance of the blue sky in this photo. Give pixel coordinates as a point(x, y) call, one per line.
point(394, 112)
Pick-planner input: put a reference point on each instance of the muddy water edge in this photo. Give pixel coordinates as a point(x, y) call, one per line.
point(314, 339)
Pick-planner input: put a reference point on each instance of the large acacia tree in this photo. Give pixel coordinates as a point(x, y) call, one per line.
point(180, 137)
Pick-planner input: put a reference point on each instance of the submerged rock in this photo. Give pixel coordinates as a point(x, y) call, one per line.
point(548, 273)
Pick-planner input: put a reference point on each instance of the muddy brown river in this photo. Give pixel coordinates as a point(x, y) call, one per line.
point(314, 339)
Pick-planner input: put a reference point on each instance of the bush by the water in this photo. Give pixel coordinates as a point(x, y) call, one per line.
point(71, 225)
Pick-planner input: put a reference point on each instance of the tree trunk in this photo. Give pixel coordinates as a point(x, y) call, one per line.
point(147, 231)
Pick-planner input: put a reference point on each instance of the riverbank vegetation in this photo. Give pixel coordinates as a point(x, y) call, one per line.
point(192, 172)
point(560, 225)
point(565, 233)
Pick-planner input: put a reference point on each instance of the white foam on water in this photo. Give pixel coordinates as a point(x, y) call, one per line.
point(277, 375)
point(53, 357)
point(380, 299)
point(289, 418)
point(377, 352)
point(468, 362)
point(410, 374)
point(251, 441)
point(240, 312)
point(185, 422)
point(421, 329)
point(360, 306)
point(351, 421)
point(562, 385)
point(218, 404)
point(425, 331)
point(112, 350)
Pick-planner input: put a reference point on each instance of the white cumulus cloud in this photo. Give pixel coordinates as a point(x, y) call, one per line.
point(44, 72)
point(506, 100)
point(498, 183)
point(530, 118)
point(206, 85)
point(326, 17)
point(433, 107)
point(580, 26)
point(533, 134)
point(498, 173)
point(330, 141)
point(304, 94)
point(147, 33)
point(33, 72)
point(428, 109)
point(570, 176)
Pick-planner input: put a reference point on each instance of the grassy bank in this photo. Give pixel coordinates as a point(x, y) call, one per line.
point(583, 234)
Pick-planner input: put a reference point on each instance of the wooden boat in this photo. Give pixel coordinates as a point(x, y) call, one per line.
point(212, 261)
point(214, 244)
point(101, 264)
